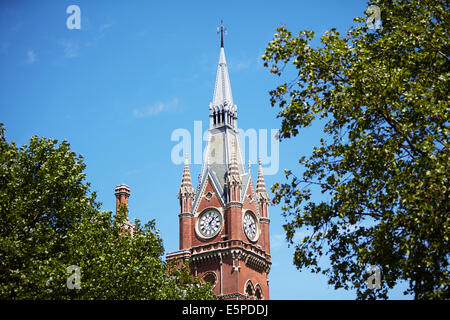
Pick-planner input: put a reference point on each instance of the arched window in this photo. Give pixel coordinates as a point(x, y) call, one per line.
point(258, 293)
point(211, 278)
point(249, 290)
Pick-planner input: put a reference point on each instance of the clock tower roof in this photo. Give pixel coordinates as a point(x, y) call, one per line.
point(223, 138)
point(222, 90)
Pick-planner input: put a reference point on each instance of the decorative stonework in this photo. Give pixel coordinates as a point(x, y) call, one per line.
point(233, 296)
point(208, 196)
point(261, 192)
point(238, 250)
point(186, 189)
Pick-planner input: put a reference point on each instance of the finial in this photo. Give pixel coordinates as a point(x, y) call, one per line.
point(259, 160)
point(221, 29)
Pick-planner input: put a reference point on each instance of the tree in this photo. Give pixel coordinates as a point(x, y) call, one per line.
point(383, 163)
point(49, 221)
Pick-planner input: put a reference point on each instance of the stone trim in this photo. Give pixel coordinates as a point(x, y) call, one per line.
point(253, 256)
point(237, 296)
point(264, 220)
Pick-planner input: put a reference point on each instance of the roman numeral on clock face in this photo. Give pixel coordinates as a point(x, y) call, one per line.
point(209, 223)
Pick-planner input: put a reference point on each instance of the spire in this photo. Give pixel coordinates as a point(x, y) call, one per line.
point(222, 111)
point(261, 193)
point(186, 188)
point(233, 176)
point(221, 29)
point(261, 184)
point(233, 179)
point(222, 90)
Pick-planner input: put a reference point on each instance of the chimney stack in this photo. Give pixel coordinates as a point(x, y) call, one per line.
point(122, 193)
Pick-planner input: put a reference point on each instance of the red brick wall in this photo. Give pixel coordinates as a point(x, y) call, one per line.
point(233, 281)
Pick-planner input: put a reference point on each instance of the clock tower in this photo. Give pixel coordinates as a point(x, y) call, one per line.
point(224, 223)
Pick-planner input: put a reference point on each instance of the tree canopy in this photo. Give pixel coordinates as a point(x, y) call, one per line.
point(382, 166)
point(50, 221)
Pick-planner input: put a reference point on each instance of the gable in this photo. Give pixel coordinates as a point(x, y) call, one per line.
point(249, 201)
point(208, 197)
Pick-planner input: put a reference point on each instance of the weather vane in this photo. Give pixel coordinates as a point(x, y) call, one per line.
point(221, 29)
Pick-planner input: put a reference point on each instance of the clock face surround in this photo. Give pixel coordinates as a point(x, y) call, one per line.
point(209, 224)
point(250, 225)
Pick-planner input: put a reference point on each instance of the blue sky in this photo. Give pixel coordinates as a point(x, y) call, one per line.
point(136, 71)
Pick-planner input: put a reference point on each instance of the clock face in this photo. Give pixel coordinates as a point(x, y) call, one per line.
point(250, 227)
point(210, 223)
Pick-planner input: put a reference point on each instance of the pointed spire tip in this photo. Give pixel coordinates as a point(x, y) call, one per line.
point(221, 29)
